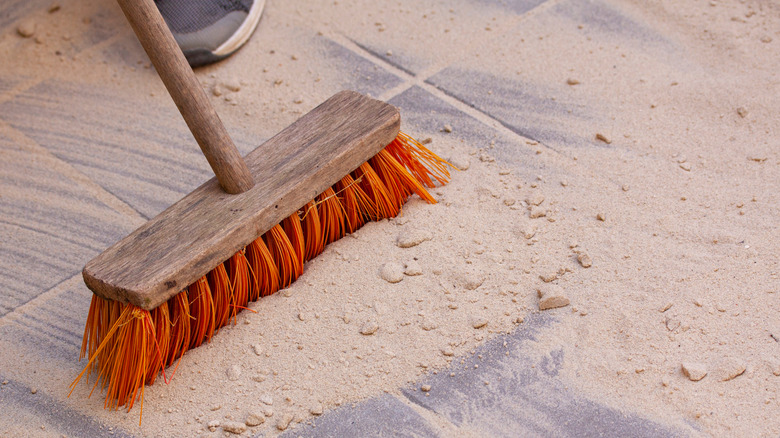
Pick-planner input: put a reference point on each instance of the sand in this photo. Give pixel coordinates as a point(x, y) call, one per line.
point(656, 251)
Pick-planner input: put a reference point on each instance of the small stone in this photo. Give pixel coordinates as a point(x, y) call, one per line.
point(284, 421)
point(447, 351)
point(694, 371)
point(54, 7)
point(766, 39)
point(216, 407)
point(473, 280)
point(548, 277)
point(213, 425)
point(26, 28)
point(254, 419)
point(601, 216)
point(537, 212)
point(233, 373)
point(572, 81)
point(479, 322)
point(389, 53)
point(234, 427)
point(672, 324)
point(216, 90)
point(774, 366)
point(728, 369)
point(742, 111)
point(268, 411)
point(317, 409)
point(232, 85)
point(447, 128)
point(604, 138)
point(410, 238)
point(392, 272)
point(369, 328)
point(584, 260)
point(425, 388)
point(426, 140)
point(412, 268)
point(551, 296)
point(258, 349)
point(267, 399)
point(685, 166)
point(461, 162)
point(429, 325)
point(298, 100)
point(666, 307)
point(34, 390)
point(536, 199)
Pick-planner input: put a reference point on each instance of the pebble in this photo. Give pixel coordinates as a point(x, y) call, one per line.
point(447, 351)
point(392, 272)
point(572, 81)
point(604, 138)
point(584, 260)
point(728, 369)
point(537, 212)
point(685, 166)
point(268, 411)
point(429, 325)
point(233, 373)
point(232, 85)
point(447, 128)
point(284, 421)
point(254, 419)
point(298, 100)
point(425, 388)
point(774, 366)
point(216, 90)
point(213, 425)
point(601, 216)
point(26, 29)
point(317, 409)
point(742, 111)
point(34, 390)
point(461, 162)
point(551, 296)
point(694, 371)
point(267, 399)
point(54, 7)
point(258, 349)
point(537, 199)
point(479, 322)
point(234, 427)
point(412, 268)
point(410, 238)
point(369, 328)
point(549, 277)
point(473, 280)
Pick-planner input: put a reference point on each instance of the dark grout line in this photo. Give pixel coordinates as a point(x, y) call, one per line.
point(379, 57)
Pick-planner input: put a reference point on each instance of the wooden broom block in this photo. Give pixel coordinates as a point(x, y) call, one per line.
point(208, 226)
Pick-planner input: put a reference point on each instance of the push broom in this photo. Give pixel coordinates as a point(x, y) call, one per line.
point(168, 286)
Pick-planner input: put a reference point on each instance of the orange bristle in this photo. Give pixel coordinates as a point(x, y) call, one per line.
point(128, 346)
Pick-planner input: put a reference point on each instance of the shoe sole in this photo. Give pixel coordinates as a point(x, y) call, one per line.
point(201, 57)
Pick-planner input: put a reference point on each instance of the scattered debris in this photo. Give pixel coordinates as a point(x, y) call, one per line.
point(425, 388)
point(26, 28)
point(537, 212)
point(685, 166)
point(447, 128)
point(536, 199)
point(551, 296)
point(728, 369)
point(742, 111)
point(479, 322)
point(317, 409)
point(447, 351)
point(254, 419)
point(694, 371)
point(602, 137)
point(392, 272)
point(234, 372)
point(572, 81)
point(410, 238)
point(258, 349)
point(234, 427)
point(213, 425)
point(548, 277)
point(369, 328)
point(412, 268)
point(584, 260)
point(284, 421)
point(601, 216)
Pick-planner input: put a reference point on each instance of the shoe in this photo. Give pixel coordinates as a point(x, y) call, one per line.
point(210, 30)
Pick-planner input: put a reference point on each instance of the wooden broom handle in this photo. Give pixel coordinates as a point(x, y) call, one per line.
point(185, 89)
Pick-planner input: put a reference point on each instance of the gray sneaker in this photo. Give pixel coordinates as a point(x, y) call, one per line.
point(210, 30)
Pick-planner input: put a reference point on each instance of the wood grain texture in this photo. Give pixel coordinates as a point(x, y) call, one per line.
point(187, 92)
point(207, 226)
